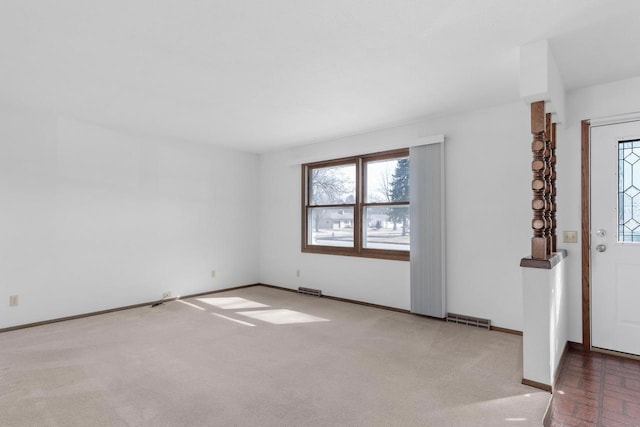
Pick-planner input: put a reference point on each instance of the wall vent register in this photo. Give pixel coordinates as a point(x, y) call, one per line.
point(469, 321)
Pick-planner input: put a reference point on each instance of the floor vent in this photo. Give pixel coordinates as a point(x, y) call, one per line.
point(309, 291)
point(468, 320)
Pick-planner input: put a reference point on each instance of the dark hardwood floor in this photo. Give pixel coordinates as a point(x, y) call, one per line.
point(596, 389)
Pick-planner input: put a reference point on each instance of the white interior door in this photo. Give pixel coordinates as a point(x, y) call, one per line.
point(615, 237)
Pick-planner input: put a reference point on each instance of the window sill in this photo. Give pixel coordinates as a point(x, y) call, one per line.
point(364, 253)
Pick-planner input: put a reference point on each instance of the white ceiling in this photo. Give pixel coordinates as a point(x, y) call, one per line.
point(262, 75)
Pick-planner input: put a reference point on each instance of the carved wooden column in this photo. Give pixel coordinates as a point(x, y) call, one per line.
point(552, 208)
point(548, 184)
point(543, 147)
point(539, 244)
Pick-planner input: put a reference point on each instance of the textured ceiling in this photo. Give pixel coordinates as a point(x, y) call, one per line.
point(261, 75)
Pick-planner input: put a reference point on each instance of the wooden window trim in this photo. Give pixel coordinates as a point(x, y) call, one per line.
point(358, 207)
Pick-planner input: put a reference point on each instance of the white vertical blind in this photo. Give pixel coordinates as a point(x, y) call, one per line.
point(426, 186)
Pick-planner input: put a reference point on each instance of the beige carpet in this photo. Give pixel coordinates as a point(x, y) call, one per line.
point(263, 357)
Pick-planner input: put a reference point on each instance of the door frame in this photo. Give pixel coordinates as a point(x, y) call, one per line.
point(585, 192)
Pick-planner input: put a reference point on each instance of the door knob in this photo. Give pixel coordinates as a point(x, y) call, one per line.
point(601, 233)
point(601, 248)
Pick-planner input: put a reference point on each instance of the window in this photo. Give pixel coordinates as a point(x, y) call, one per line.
point(358, 206)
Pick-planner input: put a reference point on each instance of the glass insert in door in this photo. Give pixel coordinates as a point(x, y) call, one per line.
point(629, 191)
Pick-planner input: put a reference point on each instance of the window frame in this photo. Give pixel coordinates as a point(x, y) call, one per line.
point(359, 205)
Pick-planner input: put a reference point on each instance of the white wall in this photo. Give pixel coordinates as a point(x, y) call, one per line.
point(616, 98)
point(488, 217)
point(545, 322)
point(93, 218)
point(488, 209)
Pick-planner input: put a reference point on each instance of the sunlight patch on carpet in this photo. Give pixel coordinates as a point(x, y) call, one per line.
point(232, 303)
point(233, 320)
point(282, 316)
point(191, 305)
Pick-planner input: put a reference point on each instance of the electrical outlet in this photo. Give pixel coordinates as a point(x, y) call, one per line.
point(13, 300)
point(213, 273)
point(298, 273)
point(166, 294)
